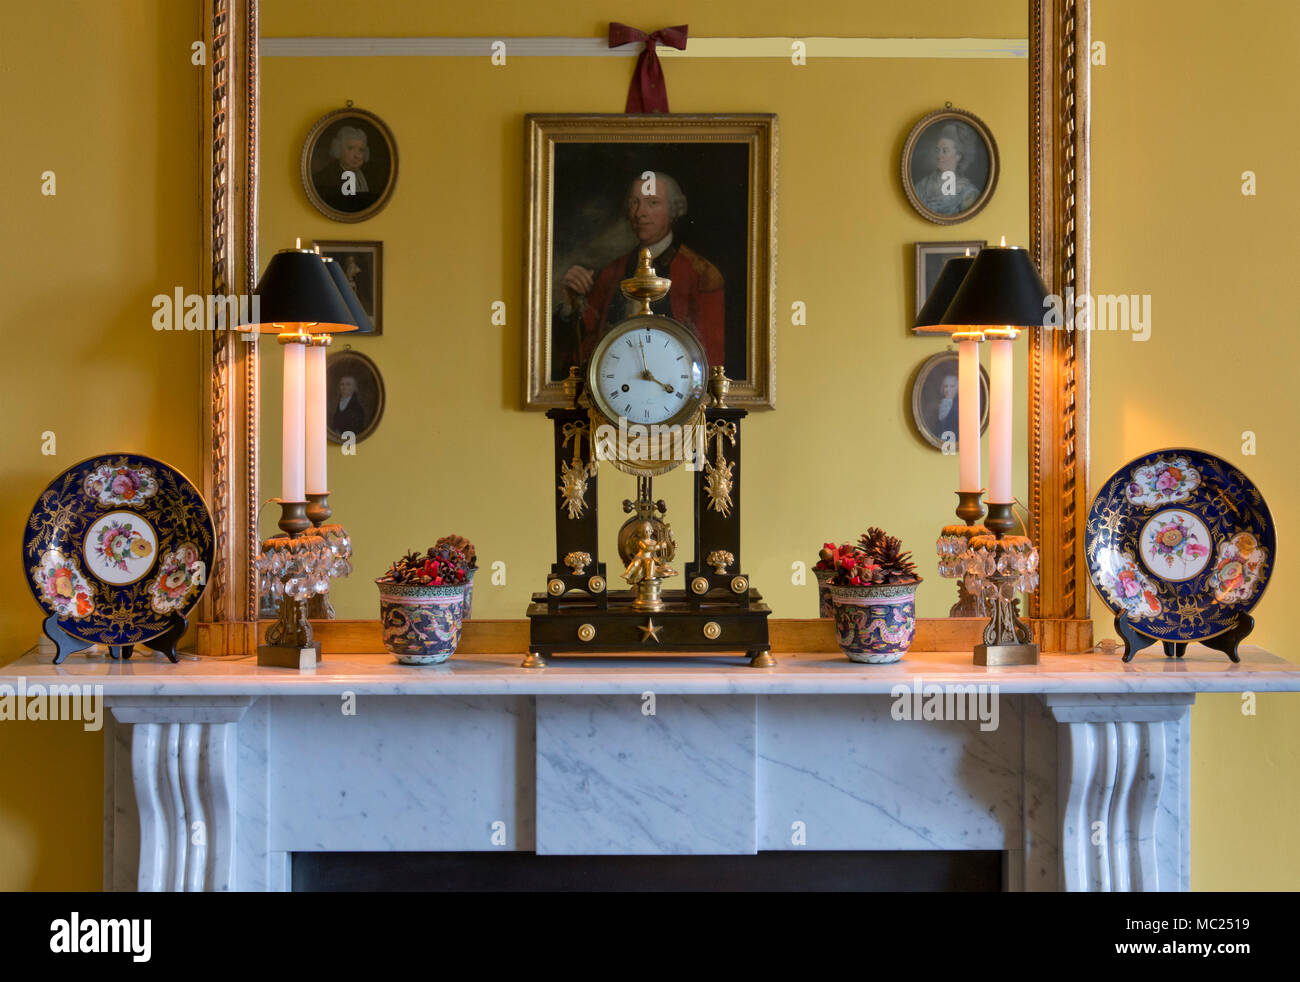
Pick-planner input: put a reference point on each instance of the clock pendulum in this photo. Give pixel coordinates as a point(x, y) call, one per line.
point(646, 402)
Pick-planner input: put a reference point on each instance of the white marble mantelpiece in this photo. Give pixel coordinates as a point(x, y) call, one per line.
point(1200, 670)
point(217, 771)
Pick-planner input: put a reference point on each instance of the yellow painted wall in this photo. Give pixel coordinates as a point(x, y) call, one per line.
point(454, 453)
point(1192, 95)
point(106, 98)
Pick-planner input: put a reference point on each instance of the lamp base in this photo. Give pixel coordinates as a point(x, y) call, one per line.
point(284, 656)
point(995, 655)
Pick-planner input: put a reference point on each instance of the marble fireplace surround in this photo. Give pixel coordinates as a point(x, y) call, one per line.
point(217, 771)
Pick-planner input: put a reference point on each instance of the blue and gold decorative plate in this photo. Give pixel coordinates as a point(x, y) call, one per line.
point(115, 545)
point(1178, 542)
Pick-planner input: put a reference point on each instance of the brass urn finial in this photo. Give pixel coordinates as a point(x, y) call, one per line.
point(571, 387)
point(719, 386)
point(645, 285)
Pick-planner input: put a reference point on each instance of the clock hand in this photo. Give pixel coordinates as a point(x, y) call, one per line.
point(645, 369)
point(650, 377)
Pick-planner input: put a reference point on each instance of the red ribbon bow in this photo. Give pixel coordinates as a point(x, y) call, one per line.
point(647, 93)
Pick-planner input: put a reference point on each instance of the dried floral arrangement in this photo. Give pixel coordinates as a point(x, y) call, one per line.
point(461, 543)
point(876, 559)
point(442, 565)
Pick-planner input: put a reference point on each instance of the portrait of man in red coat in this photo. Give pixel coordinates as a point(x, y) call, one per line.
point(590, 301)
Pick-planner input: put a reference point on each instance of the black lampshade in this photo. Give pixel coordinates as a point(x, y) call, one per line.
point(349, 297)
point(945, 288)
point(296, 288)
point(1001, 289)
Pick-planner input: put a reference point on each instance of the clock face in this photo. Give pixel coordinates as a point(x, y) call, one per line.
point(648, 370)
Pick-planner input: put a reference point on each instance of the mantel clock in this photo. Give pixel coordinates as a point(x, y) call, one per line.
point(646, 402)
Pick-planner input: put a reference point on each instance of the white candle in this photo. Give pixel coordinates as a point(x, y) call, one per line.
point(968, 399)
point(291, 466)
point(1000, 381)
point(315, 420)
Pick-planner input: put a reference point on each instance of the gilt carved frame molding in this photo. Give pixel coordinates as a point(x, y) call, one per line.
point(1058, 385)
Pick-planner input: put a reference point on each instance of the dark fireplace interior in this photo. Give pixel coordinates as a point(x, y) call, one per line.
point(526, 871)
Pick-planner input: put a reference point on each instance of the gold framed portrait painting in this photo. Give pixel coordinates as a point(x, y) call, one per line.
point(354, 392)
point(949, 166)
point(699, 191)
point(349, 164)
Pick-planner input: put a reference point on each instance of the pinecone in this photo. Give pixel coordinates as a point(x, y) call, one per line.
point(885, 552)
point(461, 543)
point(872, 542)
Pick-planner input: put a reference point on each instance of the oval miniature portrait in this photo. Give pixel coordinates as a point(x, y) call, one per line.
point(349, 165)
point(354, 396)
point(950, 166)
point(935, 406)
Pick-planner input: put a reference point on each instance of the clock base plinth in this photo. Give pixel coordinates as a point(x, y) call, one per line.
point(684, 626)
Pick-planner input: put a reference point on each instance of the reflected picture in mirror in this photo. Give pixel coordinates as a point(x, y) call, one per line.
point(930, 257)
point(935, 402)
point(349, 164)
point(361, 264)
point(950, 166)
point(699, 206)
point(354, 392)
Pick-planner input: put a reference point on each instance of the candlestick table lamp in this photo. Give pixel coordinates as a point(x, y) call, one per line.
point(1000, 295)
point(954, 540)
point(298, 301)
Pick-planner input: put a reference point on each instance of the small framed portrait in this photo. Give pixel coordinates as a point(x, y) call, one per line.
point(698, 191)
point(349, 164)
point(935, 403)
point(362, 265)
point(950, 166)
point(930, 257)
point(354, 394)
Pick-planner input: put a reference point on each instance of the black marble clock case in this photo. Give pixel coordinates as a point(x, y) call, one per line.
point(726, 617)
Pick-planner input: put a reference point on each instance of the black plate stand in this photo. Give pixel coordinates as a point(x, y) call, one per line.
point(1227, 642)
point(65, 642)
point(165, 643)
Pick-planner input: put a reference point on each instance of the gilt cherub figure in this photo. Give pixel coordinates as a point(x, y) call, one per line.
point(650, 561)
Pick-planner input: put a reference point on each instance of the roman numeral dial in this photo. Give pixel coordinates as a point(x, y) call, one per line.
point(648, 370)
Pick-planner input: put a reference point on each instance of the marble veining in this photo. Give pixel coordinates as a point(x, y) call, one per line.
point(613, 780)
point(414, 774)
point(855, 778)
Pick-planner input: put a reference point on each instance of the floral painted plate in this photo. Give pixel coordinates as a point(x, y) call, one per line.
point(1178, 542)
point(115, 545)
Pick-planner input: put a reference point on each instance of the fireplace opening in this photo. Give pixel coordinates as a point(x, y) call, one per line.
point(764, 871)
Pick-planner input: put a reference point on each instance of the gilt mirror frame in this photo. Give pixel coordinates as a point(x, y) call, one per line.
point(1059, 36)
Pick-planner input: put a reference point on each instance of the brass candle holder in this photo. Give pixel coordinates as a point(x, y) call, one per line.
point(293, 568)
point(953, 545)
point(319, 607)
point(997, 564)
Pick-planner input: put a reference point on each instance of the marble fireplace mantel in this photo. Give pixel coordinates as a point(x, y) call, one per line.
point(218, 771)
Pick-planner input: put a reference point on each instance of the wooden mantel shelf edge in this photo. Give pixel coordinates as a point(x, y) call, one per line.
point(238, 639)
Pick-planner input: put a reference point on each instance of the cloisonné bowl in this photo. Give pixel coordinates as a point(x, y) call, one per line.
point(875, 625)
point(825, 605)
point(421, 624)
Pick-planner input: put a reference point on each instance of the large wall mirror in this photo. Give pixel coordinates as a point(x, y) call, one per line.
point(448, 446)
